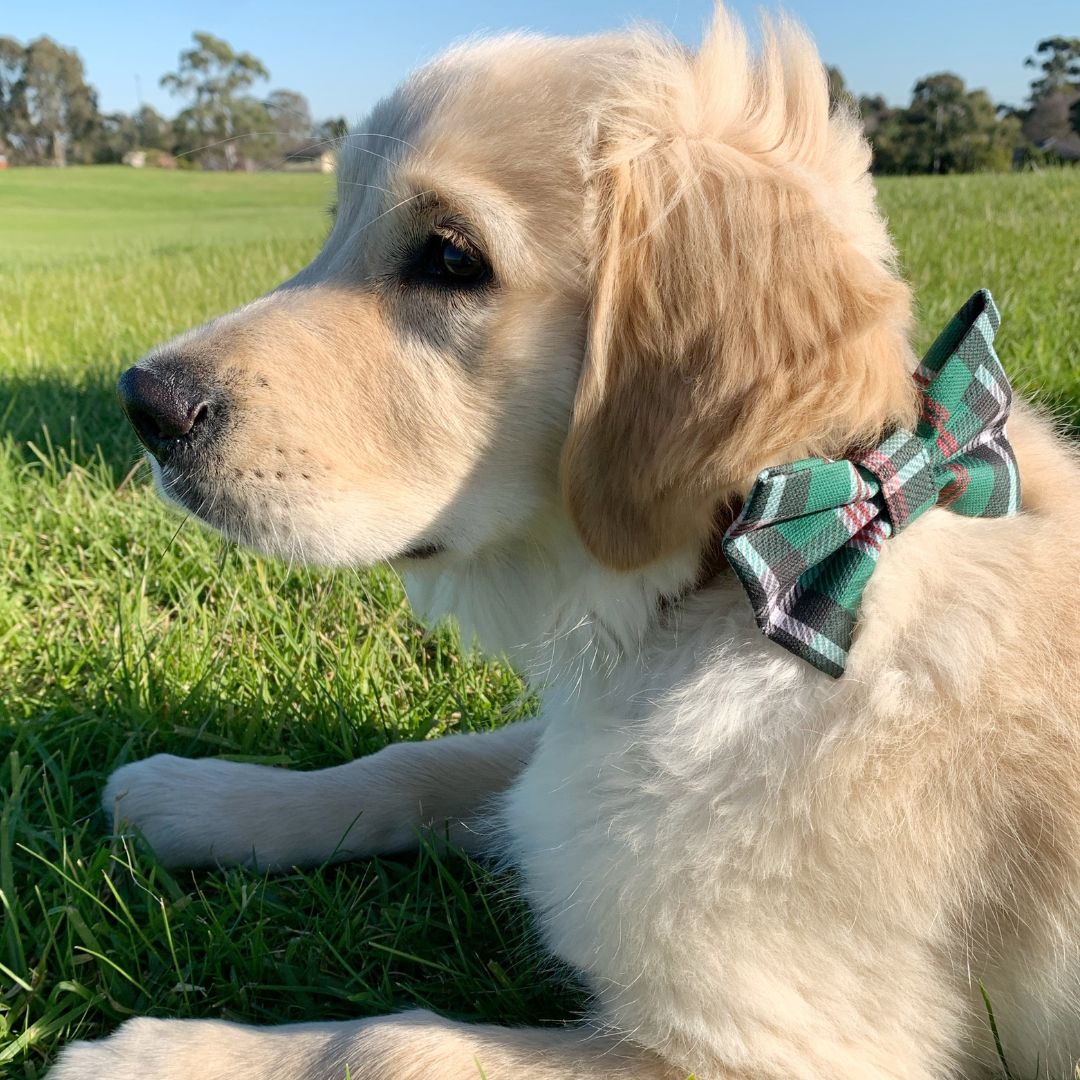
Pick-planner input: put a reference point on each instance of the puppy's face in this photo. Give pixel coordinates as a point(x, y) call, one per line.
point(603, 278)
point(407, 393)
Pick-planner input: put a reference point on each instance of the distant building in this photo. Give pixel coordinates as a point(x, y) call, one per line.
point(153, 159)
point(1066, 149)
point(316, 157)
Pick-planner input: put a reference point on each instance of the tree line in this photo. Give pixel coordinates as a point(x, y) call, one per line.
point(948, 128)
point(49, 115)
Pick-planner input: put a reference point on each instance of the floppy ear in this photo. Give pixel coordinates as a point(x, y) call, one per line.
point(735, 321)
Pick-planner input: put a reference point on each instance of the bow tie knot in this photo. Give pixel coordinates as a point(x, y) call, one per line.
point(810, 532)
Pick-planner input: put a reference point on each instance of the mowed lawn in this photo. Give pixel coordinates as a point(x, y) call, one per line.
point(122, 635)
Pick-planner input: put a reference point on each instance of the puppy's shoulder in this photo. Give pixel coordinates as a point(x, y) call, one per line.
point(984, 614)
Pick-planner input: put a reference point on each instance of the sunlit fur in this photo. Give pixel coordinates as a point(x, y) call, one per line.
point(760, 873)
point(744, 305)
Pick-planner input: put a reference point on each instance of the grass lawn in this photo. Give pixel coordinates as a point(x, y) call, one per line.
point(121, 637)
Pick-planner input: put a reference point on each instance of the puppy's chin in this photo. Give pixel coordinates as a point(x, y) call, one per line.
point(175, 489)
point(196, 496)
point(298, 527)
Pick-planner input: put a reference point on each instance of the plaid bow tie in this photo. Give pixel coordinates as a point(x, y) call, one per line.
point(809, 534)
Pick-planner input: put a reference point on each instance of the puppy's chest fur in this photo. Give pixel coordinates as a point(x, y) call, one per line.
point(662, 787)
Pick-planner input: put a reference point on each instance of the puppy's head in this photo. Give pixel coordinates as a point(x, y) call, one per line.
point(601, 277)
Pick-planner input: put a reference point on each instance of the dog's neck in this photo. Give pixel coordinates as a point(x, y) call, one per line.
point(548, 606)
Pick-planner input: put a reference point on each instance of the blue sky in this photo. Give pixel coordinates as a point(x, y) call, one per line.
point(344, 55)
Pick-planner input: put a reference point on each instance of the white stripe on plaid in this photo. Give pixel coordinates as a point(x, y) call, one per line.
point(777, 614)
point(990, 384)
point(776, 493)
point(756, 563)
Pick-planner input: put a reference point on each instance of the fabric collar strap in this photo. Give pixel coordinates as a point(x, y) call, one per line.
point(810, 532)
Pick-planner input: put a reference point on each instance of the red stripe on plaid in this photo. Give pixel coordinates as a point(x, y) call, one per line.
point(947, 444)
point(938, 416)
point(872, 538)
point(955, 487)
point(857, 515)
point(935, 413)
point(881, 465)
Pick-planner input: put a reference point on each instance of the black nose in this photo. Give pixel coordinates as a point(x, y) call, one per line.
point(168, 410)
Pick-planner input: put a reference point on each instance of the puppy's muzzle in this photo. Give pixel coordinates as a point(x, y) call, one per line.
point(170, 411)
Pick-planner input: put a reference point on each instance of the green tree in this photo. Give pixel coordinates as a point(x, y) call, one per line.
point(153, 129)
point(333, 130)
point(946, 128)
point(937, 120)
point(290, 118)
point(875, 111)
point(213, 78)
point(117, 134)
point(1058, 58)
point(11, 61)
point(1052, 123)
point(48, 111)
point(877, 118)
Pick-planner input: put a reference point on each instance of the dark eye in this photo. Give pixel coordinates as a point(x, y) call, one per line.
point(448, 262)
point(458, 262)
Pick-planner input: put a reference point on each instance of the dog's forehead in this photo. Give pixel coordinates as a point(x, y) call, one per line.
point(515, 108)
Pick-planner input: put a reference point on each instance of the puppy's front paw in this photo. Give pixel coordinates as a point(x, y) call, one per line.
point(134, 1052)
point(91, 1061)
point(192, 812)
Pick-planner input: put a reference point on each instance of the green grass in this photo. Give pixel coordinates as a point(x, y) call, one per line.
point(52, 215)
point(1016, 234)
point(120, 636)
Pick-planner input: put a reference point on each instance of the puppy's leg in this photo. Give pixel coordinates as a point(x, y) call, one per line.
point(204, 812)
point(412, 1046)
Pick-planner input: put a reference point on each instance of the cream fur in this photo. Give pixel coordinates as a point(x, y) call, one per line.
point(762, 873)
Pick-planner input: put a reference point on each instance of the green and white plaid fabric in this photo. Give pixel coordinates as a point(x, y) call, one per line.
point(810, 532)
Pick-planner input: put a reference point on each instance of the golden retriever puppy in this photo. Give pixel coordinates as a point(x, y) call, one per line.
point(577, 294)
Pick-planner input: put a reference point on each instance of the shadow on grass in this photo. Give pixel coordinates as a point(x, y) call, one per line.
point(431, 928)
point(82, 417)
